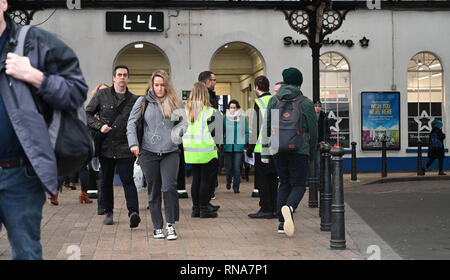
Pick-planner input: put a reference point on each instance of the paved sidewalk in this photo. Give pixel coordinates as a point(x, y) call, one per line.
point(231, 236)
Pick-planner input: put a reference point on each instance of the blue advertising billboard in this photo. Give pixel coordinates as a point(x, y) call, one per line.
point(380, 118)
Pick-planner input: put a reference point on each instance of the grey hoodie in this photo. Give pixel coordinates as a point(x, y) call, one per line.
point(161, 135)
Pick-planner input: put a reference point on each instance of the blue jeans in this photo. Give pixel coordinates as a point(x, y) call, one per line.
point(22, 198)
point(292, 170)
point(233, 162)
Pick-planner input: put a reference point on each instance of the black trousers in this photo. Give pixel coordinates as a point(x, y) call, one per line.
point(125, 168)
point(441, 163)
point(181, 179)
point(203, 177)
point(267, 179)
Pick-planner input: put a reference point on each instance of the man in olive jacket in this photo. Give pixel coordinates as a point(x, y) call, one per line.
point(114, 149)
point(292, 167)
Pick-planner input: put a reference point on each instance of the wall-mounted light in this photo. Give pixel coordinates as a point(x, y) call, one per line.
point(139, 46)
point(226, 46)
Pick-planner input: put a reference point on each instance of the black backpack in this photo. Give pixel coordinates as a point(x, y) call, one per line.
point(290, 127)
point(68, 131)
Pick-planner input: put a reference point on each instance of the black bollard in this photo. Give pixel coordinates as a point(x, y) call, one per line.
point(312, 183)
point(420, 171)
point(337, 204)
point(325, 221)
point(354, 175)
point(321, 179)
point(383, 158)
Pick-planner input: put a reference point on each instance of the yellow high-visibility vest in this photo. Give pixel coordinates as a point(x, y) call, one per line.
point(198, 144)
point(262, 103)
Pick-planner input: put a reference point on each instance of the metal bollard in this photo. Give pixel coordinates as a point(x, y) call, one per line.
point(325, 221)
point(321, 179)
point(383, 158)
point(354, 172)
point(312, 182)
point(337, 205)
point(420, 171)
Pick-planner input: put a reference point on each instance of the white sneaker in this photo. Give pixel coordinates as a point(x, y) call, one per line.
point(171, 233)
point(158, 234)
point(288, 222)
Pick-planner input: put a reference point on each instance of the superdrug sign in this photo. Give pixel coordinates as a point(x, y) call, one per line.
point(134, 22)
point(288, 41)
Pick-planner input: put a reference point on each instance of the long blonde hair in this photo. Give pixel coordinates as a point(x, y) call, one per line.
point(91, 95)
point(199, 97)
point(170, 102)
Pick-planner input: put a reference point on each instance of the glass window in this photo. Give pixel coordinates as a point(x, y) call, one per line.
point(335, 96)
point(425, 88)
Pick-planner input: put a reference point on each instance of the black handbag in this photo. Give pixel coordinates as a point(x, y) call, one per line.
point(98, 136)
point(140, 123)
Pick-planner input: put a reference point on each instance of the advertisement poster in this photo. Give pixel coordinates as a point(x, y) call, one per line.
point(380, 113)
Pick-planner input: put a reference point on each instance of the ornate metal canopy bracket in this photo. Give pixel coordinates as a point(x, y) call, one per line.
point(22, 17)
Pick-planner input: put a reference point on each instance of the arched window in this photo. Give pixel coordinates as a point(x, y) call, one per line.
point(335, 96)
point(425, 96)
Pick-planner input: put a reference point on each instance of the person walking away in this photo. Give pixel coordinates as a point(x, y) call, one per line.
point(296, 144)
point(158, 153)
point(436, 147)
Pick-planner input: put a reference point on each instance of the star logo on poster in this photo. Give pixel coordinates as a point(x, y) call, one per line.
point(424, 125)
point(335, 126)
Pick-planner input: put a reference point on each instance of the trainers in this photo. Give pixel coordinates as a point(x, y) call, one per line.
point(281, 228)
point(288, 221)
point(108, 219)
point(171, 233)
point(134, 220)
point(158, 234)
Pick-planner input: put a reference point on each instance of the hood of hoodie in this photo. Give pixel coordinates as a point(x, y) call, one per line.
point(288, 92)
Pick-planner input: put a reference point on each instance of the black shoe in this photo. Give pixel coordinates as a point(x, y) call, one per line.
point(261, 215)
point(195, 212)
point(281, 228)
point(206, 213)
point(134, 220)
point(92, 195)
point(255, 193)
point(228, 186)
point(183, 195)
point(108, 219)
point(101, 212)
point(214, 207)
point(236, 191)
point(442, 173)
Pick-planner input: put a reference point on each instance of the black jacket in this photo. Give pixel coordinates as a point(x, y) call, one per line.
point(104, 103)
point(324, 127)
point(213, 99)
point(436, 153)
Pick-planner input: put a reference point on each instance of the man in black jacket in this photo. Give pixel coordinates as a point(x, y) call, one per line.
point(114, 149)
point(323, 133)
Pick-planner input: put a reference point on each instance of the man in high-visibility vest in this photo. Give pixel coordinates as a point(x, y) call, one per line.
point(265, 174)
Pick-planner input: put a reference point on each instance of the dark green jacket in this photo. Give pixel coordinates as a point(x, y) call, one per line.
point(310, 128)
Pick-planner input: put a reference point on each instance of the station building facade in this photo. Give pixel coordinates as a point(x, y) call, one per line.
point(375, 50)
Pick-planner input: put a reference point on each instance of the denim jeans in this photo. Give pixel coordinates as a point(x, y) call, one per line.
point(22, 198)
point(233, 162)
point(125, 167)
point(292, 170)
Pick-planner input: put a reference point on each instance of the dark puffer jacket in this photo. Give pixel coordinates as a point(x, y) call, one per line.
point(104, 103)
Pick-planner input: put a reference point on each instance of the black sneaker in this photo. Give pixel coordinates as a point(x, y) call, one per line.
point(228, 186)
point(183, 194)
point(255, 193)
point(261, 215)
point(171, 233)
point(442, 173)
point(288, 221)
point(214, 207)
point(134, 220)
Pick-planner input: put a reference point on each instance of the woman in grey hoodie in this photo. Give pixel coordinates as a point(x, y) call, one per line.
point(158, 153)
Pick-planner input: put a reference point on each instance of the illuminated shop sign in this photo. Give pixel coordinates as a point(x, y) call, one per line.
point(134, 22)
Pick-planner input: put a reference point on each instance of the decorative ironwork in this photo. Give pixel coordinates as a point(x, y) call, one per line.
point(21, 17)
point(332, 20)
point(299, 20)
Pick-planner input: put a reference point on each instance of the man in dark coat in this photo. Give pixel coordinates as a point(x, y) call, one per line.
point(436, 147)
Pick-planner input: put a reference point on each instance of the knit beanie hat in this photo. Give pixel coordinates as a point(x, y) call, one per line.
point(292, 76)
point(437, 123)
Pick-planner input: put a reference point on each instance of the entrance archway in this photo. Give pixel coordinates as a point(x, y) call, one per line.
point(236, 65)
point(142, 59)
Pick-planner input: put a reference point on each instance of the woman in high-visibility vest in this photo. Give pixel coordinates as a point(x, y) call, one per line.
point(200, 148)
